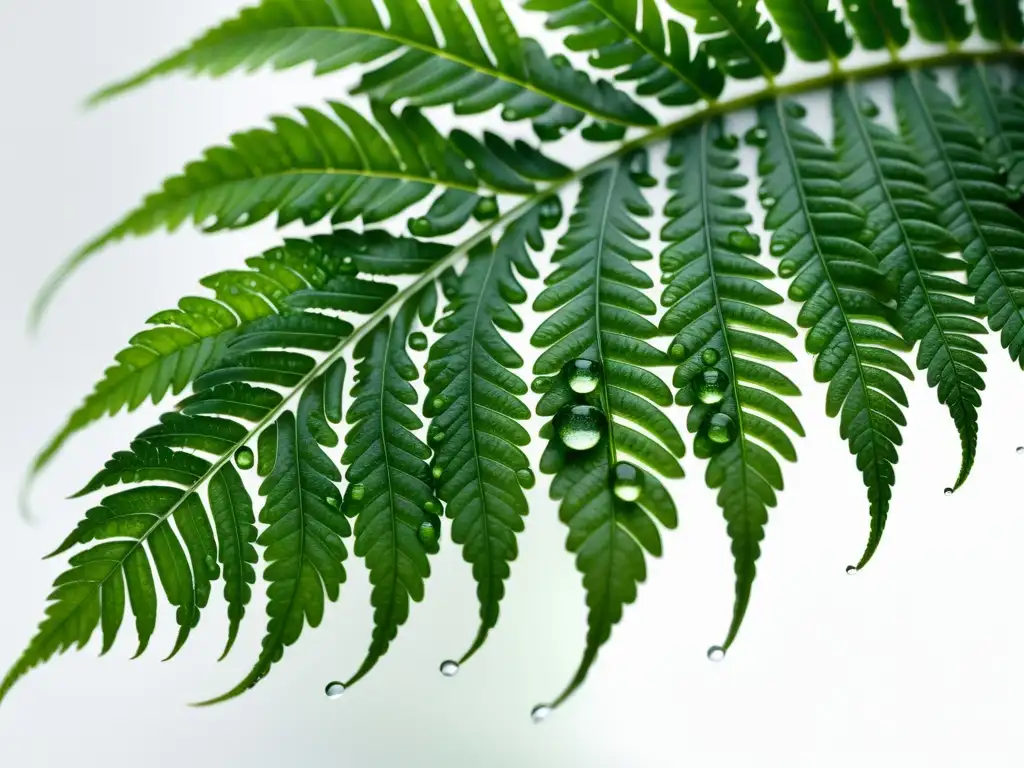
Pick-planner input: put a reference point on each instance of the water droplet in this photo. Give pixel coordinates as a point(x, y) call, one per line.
point(244, 457)
point(948, 492)
point(579, 426)
point(721, 429)
point(418, 340)
point(797, 292)
point(768, 202)
point(868, 108)
point(778, 248)
point(787, 268)
point(677, 352)
point(486, 208)
point(727, 141)
point(347, 266)
point(429, 531)
point(542, 384)
point(432, 507)
point(716, 653)
point(795, 109)
point(744, 242)
point(437, 472)
point(851, 570)
point(435, 437)
point(1020, 449)
point(334, 689)
point(421, 227)
point(550, 213)
point(710, 356)
point(526, 478)
point(711, 386)
point(756, 137)
point(583, 375)
point(509, 115)
point(627, 481)
point(449, 668)
point(540, 713)
point(357, 492)
point(439, 402)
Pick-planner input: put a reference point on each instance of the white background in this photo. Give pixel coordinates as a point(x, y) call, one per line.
point(914, 662)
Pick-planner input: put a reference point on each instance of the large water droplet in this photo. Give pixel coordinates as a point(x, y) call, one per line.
point(542, 384)
point(721, 429)
point(432, 507)
point(418, 340)
point(245, 458)
point(787, 268)
point(435, 436)
point(429, 532)
point(744, 242)
point(948, 492)
point(526, 478)
point(583, 375)
point(439, 402)
point(627, 481)
point(449, 668)
point(540, 713)
point(486, 208)
point(437, 471)
point(756, 136)
point(357, 492)
point(710, 356)
point(716, 653)
point(421, 227)
point(550, 213)
point(334, 689)
point(579, 426)
point(711, 386)
point(851, 570)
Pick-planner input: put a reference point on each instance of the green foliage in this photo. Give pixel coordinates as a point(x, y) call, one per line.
point(894, 242)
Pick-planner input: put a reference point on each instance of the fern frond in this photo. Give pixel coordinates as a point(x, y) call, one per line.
point(660, 64)
point(188, 340)
point(812, 29)
point(998, 113)
point(598, 313)
point(716, 301)
point(474, 405)
point(737, 37)
point(882, 175)
point(815, 229)
point(390, 490)
point(1000, 21)
point(972, 202)
point(878, 24)
point(940, 21)
point(343, 168)
point(403, 59)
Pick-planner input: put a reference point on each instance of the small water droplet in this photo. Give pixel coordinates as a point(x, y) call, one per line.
point(768, 202)
point(449, 668)
point(795, 109)
point(540, 713)
point(787, 268)
point(721, 429)
point(439, 402)
point(627, 481)
point(542, 384)
point(550, 213)
point(579, 426)
point(868, 108)
point(744, 242)
point(948, 492)
point(334, 689)
point(526, 478)
point(716, 653)
point(437, 472)
point(332, 501)
point(418, 340)
point(778, 248)
point(429, 531)
point(797, 292)
point(1020, 449)
point(432, 507)
point(486, 209)
point(851, 570)
point(756, 136)
point(245, 458)
point(421, 227)
point(583, 375)
point(435, 437)
point(357, 492)
point(677, 352)
point(727, 141)
point(509, 115)
point(347, 266)
point(710, 356)
point(711, 386)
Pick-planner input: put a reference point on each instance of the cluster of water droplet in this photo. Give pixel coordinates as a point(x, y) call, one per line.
point(707, 389)
point(578, 424)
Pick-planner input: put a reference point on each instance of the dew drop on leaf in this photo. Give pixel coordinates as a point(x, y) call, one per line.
point(550, 213)
point(711, 386)
point(439, 402)
point(778, 248)
point(540, 713)
point(710, 356)
point(721, 429)
point(677, 352)
point(486, 209)
point(851, 570)
point(435, 437)
point(429, 531)
point(787, 268)
point(358, 491)
point(579, 426)
point(756, 136)
point(332, 501)
point(449, 668)
point(795, 109)
point(1020, 449)
point(526, 478)
point(432, 507)
point(334, 689)
point(421, 227)
point(509, 115)
point(948, 492)
point(583, 375)
point(244, 457)
point(768, 202)
point(347, 266)
point(627, 481)
point(716, 653)
point(437, 472)
point(542, 384)
point(418, 340)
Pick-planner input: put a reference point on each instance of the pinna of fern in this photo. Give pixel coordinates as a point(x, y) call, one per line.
point(893, 241)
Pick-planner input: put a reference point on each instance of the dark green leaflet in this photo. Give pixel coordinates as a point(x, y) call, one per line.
point(738, 39)
point(877, 23)
point(474, 404)
point(816, 230)
point(882, 175)
point(940, 21)
point(659, 64)
point(598, 312)
point(716, 300)
point(972, 202)
point(1000, 20)
point(811, 29)
point(998, 112)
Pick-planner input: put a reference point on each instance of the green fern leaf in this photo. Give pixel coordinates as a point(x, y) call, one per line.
point(716, 300)
point(660, 64)
point(999, 115)
point(940, 21)
point(409, 61)
point(878, 24)
point(474, 406)
point(192, 338)
point(812, 29)
point(599, 315)
point(816, 228)
point(881, 174)
point(389, 491)
point(1000, 21)
point(738, 37)
point(972, 202)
